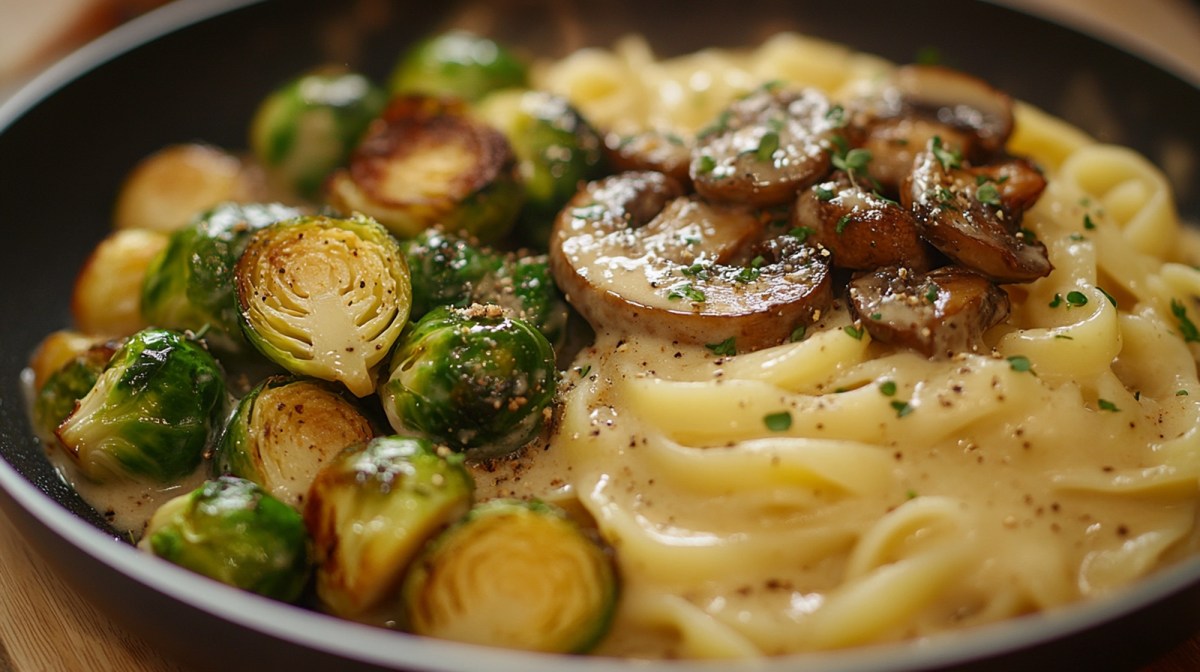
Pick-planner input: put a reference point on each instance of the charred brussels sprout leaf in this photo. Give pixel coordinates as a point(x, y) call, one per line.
point(324, 297)
point(513, 574)
point(370, 512)
point(284, 430)
point(556, 150)
point(152, 412)
point(426, 162)
point(307, 127)
point(457, 63)
point(57, 396)
point(189, 285)
point(231, 530)
point(471, 378)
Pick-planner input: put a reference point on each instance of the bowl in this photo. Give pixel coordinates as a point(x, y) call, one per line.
point(196, 69)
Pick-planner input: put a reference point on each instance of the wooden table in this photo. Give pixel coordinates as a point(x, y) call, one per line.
point(46, 627)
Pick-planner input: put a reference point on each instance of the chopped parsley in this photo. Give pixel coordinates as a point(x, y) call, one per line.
point(799, 333)
point(903, 408)
point(1106, 405)
point(751, 273)
point(842, 222)
point(1088, 223)
point(853, 160)
point(1020, 364)
point(931, 293)
point(823, 192)
point(696, 270)
point(801, 233)
point(1187, 328)
point(855, 332)
point(705, 164)
point(1181, 393)
point(686, 291)
point(948, 157)
point(988, 194)
point(888, 388)
point(778, 422)
point(725, 348)
point(767, 145)
point(1057, 301)
point(1076, 299)
point(836, 114)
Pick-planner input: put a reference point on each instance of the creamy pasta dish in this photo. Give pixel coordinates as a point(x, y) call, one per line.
point(869, 353)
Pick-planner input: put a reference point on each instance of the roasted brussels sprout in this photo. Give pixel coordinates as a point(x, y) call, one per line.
point(457, 63)
point(324, 297)
point(152, 412)
point(517, 574)
point(450, 270)
point(371, 510)
point(107, 296)
point(231, 530)
point(307, 127)
point(556, 150)
point(168, 188)
point(471, 378)
point(426, 161)
point(189, 285)
point(57, 396)
point(284, 430)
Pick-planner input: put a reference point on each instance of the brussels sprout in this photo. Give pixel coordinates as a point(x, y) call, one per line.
point(556, 150)
point(284, 430)
point(471, 378)
point(371, 510)
point(231, 530)
point(56, 397)
point(449, 270)
point(189, 285)
point(307, 127)
point(107, 295)
point(168, 188)
point(324, 297)
point(152, 412)
point(515, 574)
point(427, 162)
point(457, 63)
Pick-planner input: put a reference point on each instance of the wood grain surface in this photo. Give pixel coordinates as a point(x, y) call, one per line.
point(46, 627)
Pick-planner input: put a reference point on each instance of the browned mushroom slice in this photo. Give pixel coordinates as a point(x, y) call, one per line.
point(654, 150)
point(973, 216)
point(861, 229)
point(939, 313)
point(766, 147)
point(895, 143)
point(973, 119)
point(691, 271)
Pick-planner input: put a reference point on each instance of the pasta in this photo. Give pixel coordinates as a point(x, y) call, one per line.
point(906, 496)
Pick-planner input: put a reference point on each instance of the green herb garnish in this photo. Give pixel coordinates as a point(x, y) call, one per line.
point(778, 422)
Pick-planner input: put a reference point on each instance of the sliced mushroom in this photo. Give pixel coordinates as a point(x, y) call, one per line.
point(895, 143)
point(939, 313)
point(973, 215)
point(632, 253)
point(861, 229)
point(766, 147)
point(654, 150)
point(973, 119)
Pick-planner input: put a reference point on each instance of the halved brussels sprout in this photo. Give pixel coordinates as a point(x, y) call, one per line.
point(189, 285)
point(57, 396)
point(425, 161)
point(457, 63)
point(471, 378)
point(307, 127)
point(556, 148)
point(371, 510)
point(324, 297)
point(231, 530)
point(450, 270)
point(517, 574)
point(152, 412)
point(284, 430)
